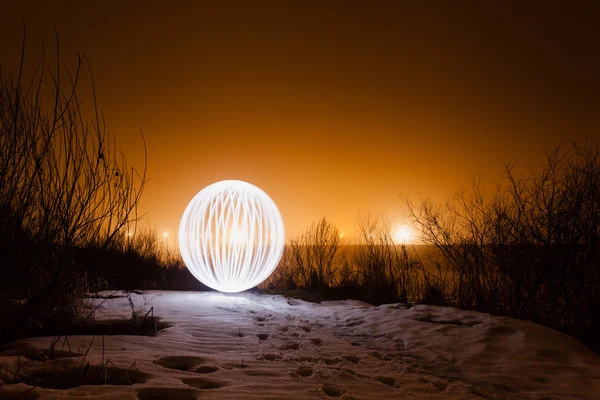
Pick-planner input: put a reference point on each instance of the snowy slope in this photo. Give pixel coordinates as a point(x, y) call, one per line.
point(255, 346)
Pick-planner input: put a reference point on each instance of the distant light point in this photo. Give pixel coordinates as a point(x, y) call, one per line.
point(402, 234)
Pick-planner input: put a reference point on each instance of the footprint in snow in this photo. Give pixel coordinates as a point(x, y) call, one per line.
point(290, 346)
point(351, 358)
point(206, 369)
point(269, 357)
point(237, 333)
point(331, 361)
point(304, 371)
point(386, 380)
point(204, 383)
point(439, 385)
point(332, 390)
point(154, 393)
point(181, 363)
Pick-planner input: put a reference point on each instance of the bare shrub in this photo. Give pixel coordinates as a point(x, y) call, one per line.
point(315, 255)
point(388, 272)
point(287, 274)
point(138, 260)
point(310, 261)
point(63, 185)
point(377, 270)
point(531, 249)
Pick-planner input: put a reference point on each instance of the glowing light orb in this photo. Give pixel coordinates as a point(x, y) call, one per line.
point(231, 236)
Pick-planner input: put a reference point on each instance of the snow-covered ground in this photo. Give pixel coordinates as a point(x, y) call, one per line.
point(258, 346)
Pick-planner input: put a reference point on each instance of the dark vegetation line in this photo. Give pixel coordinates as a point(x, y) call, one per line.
point(68, 213)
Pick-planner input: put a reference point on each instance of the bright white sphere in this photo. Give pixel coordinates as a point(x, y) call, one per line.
point(231, 236)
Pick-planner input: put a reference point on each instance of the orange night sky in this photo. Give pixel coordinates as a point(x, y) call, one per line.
point(333, 108)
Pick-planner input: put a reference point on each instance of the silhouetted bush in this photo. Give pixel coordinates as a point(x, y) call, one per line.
point(136, 261)
point(387, 272)
point(531, 249)
point(311, 260)
point(63, 186)
point(377, 271)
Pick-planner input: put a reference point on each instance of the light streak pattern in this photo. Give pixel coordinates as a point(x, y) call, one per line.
point(231, 236)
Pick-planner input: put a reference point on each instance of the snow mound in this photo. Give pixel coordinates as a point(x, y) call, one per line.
point(255, 346)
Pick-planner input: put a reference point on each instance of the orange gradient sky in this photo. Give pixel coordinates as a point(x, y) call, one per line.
point(333, 108)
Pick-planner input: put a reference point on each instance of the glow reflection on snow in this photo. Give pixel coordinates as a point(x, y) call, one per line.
point(231, 236)
point(227, 298)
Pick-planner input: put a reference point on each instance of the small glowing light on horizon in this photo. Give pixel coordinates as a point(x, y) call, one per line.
point(165, 234)
point(231, 236)
point(402, 234)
